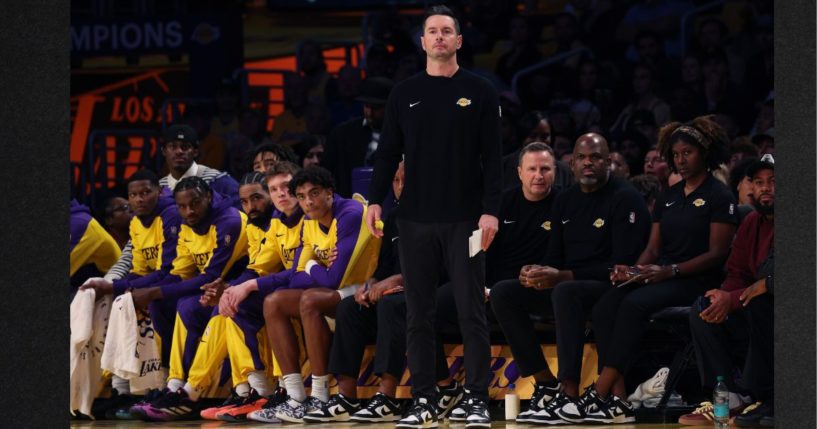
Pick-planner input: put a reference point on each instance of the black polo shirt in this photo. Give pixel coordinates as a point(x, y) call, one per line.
point(685, 220)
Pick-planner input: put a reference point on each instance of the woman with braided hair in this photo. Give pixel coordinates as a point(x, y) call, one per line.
point(694, 222)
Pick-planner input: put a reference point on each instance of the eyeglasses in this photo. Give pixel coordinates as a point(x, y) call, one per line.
point(122, 208)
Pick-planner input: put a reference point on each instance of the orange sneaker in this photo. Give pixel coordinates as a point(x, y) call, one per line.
point(239, 412)
point(233, 400)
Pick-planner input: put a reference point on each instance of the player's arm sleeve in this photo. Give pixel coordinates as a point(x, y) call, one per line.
point(95, 247)
point(123, 265)
point(228, 227)
point(389, 152)
point(349, 225)
point(491, 153)
point(268, 284)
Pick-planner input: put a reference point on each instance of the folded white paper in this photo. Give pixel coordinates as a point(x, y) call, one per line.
point(475, 243)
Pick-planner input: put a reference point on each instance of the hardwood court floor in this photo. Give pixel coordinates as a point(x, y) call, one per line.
point(210, 424)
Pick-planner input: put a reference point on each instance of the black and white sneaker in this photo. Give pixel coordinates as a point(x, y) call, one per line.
point(380, 408)
point(547, 415)
point(611, 410)
point(541, 397)
point(575, 410)
point(422, 414)
point(339, 408)
point(477, 416)
point(448, 398)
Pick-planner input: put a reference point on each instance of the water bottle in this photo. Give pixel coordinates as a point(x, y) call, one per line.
point(720, 402)
point(511, 403)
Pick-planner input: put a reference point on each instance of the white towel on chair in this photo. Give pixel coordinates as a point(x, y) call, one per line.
point(89, 322)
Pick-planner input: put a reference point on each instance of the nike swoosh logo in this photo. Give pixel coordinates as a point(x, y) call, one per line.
point(669, 204)
point(508, 221)
point(394, 239)
point(414, 104)
point(565, 221)
point(279, 235)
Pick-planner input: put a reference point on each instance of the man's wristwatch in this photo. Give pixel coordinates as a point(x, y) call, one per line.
point(675, 270)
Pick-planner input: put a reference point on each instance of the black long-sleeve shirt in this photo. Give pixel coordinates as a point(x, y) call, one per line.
point(448, 129)
point(524, 229)
point(593, 231)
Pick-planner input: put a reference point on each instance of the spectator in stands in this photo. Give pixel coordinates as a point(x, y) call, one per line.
point(310, 150)
point(691, 73)
point(764, 143)
point(212, 148)
point(655, 165)
point(117, 218)
point(93, 251)
point(290, 125)
point(618, 166)
point(741, 184)
point(253, 126)
point(739, 314)
point(226, 120)
point(265, 156)
point(764, 123)
point(721, 95)
point(568, 36)
point(740, 149)
point(649, 187)
point(693, 226)
point(378, 61)
point(662, 17)
point(583, 105)
point(523, 51)
point(312, 67)
point(353, 143)
point(643, 122)
point(596, 223)
point(649, 48)
point(343, 103)
point(760, 67)
point(180, 147)
point(644, 97)
point(634, 147)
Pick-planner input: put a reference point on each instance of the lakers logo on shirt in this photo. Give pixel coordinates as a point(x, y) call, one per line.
point(462, 102)
point(598, 223)
point(150, 253)
point(699, 202)
point(632, 217)
point(546, 226)
point(201, 259)
point(288, 254)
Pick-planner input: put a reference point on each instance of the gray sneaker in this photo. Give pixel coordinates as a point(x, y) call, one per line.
point(293, 411)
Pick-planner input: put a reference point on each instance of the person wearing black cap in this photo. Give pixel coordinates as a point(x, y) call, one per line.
point(747, 297)
point(180, 148)
point(352, 143)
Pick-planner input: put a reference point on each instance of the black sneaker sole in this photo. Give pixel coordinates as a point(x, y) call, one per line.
point(358, 419)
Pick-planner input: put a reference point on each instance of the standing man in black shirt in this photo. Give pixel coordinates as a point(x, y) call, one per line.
point(596, 223)
point(445, 120)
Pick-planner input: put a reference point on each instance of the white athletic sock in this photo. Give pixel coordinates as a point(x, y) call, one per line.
point(320, 387)
point(242, 389)
point(294, 384)
point(192, 392)
point(174, 384)
point(258, 381)
point(121, 385)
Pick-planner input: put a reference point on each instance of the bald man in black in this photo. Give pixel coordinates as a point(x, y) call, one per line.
point(596, 223)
